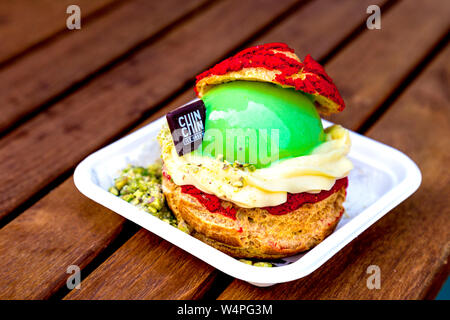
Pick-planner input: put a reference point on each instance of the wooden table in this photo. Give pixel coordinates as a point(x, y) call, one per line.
point(65, 94)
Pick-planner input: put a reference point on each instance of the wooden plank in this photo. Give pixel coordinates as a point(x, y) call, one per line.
point(37, 247)
point(411, 244)
point(50, 70)
point(143, 271)
point(64, 228)
point(187, 96)
point(56, 191)
point(24, 23)
point(10, 203)
point(386, 57)
point(320, 26)
point(97, 285)
point(56, 139)
point(122, 94)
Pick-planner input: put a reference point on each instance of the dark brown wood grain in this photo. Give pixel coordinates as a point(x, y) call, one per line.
point(24, 23)
point(59, 137)
point(185, 97)
point(41, 263)
point(34, 258)
point(107, 271)
point(93, 284)
point(50, 70)
point(320, 26)
point(382, 59)
point(37, 247)
point(110, 103)
point(411, 244)
point(142, 270)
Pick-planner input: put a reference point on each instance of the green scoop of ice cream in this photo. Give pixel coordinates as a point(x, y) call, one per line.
point(259, 123)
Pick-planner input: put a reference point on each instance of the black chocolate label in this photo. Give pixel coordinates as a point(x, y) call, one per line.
point(187, 126)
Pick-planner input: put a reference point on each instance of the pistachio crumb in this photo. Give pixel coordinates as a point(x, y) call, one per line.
point(263, 264)
point(249, 262)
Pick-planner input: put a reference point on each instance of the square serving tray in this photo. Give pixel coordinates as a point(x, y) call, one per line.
point(382, 178)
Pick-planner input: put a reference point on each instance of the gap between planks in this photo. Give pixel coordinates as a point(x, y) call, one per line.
point(410, 78)
point(67, 185)
point(28, 113)
point(427, 59)
point(86, 19)
point(146, 111)
point(224, 279)
point(190, 14)
point(408, 271)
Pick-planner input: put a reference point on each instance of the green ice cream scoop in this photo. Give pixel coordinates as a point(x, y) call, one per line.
point(259, 123)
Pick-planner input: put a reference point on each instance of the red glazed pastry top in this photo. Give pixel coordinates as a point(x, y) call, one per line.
point(278, 64)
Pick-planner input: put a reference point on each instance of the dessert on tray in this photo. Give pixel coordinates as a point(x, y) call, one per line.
point(248, 168)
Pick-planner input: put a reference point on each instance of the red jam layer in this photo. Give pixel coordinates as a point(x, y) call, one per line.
point(294, 200)
point(316, 80)
point(209, 201)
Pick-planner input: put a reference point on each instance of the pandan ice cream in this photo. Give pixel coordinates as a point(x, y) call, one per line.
point(271, 113)
point(264, 152)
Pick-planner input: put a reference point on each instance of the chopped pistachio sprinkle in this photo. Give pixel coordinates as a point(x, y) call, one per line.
point(141, 186)
point(257, 264)
point(263, 264)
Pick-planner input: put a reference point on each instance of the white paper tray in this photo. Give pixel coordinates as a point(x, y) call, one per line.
point(382, 178)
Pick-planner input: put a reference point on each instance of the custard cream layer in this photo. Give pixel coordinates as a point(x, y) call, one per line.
point(266, 186)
